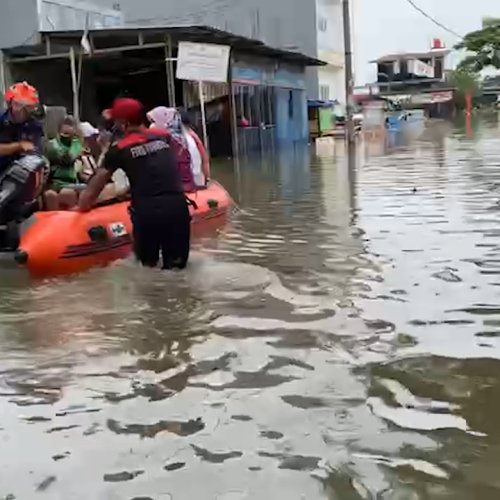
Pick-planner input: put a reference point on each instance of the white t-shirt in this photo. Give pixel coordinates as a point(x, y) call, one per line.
point(196, 161)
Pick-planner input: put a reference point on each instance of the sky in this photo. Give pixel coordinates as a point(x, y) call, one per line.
point(388, 26)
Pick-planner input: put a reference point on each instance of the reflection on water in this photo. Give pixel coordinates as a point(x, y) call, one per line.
point(339, 339)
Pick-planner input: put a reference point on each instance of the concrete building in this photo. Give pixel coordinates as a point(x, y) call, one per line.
point(330, 48)
point(261, 105)
point(21, 21)
point(311, 27)
point(264, 102)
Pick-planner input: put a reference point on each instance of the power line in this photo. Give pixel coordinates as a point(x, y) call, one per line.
point(432, 19)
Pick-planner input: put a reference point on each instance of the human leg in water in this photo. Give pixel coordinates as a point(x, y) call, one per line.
point(176, 237)
point(146, 240)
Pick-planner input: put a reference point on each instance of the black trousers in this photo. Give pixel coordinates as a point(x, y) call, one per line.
point(162, 225)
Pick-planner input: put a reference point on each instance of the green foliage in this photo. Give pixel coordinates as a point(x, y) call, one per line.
point(464, 81)
point(484, 48)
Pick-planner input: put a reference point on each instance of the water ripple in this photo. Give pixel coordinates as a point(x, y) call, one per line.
point(340, 338)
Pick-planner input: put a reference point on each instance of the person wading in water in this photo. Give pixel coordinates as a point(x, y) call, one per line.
point(159, 209)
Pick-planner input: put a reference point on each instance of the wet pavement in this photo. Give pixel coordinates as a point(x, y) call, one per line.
point(340, 339)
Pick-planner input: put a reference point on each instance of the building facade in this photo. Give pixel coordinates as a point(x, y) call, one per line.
point(330, 43)
point(22, 20)
point(312, 27)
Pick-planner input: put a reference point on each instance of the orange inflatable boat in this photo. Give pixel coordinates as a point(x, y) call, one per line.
point(66, 242)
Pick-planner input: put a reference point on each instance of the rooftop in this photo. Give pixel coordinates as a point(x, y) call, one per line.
point(56, 43)
point(412, 55)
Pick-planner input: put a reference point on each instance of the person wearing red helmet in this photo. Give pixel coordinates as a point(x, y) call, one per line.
point(20, 132)
point(159, 209)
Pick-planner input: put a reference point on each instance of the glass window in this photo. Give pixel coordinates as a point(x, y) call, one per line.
point(324, 92)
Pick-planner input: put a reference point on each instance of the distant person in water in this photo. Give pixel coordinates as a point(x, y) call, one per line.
point(191, 155)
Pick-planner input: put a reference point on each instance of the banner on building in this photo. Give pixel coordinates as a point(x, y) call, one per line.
point(439, 97)
point(205, 62)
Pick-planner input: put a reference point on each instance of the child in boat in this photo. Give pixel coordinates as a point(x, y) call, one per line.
point(191, 161)
point(87, 163)
point(62, 153)
point(94, 149)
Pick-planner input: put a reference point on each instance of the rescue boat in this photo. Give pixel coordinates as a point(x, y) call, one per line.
point(67, 242)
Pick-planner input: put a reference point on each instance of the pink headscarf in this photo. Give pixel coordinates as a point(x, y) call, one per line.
point(168, 119)
point(163, 117)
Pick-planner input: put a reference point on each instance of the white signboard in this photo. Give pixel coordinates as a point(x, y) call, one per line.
point(419, 68)
point(204, 62)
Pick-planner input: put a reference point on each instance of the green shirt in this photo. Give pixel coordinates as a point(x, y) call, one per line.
point(62, 160)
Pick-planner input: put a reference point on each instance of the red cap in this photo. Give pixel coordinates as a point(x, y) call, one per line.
point(126, 109)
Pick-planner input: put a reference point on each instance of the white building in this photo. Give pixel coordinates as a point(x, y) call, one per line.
point(330, 43)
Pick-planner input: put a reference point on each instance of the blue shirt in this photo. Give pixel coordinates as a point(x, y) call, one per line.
point(30, 130)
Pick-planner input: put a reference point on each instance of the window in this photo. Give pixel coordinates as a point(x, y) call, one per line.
point(324, 92)
point(438, 68)
point(323, 24)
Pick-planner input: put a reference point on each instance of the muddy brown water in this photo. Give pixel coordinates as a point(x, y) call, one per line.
point(339, 340)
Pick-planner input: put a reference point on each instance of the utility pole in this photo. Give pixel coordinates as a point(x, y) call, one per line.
point(348, 70)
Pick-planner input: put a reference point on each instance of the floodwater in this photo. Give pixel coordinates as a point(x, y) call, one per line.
point(339, 340)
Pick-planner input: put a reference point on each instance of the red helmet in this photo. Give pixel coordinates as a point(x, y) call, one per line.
point(22, 93)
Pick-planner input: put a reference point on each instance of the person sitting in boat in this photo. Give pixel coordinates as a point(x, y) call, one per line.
point(62, 153)
point(95, 147)
point(159, 210)
point(169, 119)
point(87, 162)
point(200, 162)
point(20, 131)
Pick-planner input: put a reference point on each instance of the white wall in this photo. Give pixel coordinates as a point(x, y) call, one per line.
point(335, 80)
point(329, 16)
point(330, 34)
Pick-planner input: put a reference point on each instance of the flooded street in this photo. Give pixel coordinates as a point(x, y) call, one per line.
point(340, 339)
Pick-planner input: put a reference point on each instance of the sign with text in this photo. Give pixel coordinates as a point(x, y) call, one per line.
point(206, 62)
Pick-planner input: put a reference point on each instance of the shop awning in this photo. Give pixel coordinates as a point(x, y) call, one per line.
point(54, 44)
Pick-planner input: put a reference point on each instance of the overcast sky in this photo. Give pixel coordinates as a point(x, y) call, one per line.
point(387, 26)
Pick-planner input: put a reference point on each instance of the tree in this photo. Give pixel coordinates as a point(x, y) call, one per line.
point(483, 47)
point(464, 81)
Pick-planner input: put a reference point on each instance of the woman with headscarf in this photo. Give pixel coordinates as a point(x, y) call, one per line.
point(189, 158)
point(200, 162)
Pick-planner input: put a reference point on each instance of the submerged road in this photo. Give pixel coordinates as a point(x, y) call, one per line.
point(340, 339)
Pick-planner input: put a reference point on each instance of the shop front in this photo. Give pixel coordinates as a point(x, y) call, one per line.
point(270, 104)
